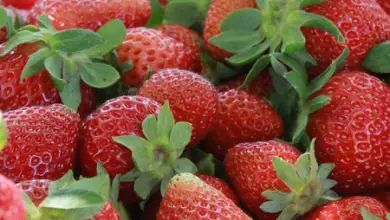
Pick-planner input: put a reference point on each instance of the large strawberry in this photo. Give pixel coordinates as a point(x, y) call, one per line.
point(349, 208)
point(24, 4)
point(11, 201)
point(41, 142)
point(91, 14)
point(189, 197)
point(261, 171)
point(385, 5)
point(353, 131)
point(150, 50)
point(192, 98)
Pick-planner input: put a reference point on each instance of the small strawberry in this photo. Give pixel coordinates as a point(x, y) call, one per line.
point(150, 50)
point(352, 131)
point(349, 208)
point(382, 195)
point(242, 117)
point(385, 4)
point(189, 197)
point(41, 142)
point(261, 171)
point(192, 98)
point(91, 14)
point(11, 201)
point(24, 4)
point(189, 38)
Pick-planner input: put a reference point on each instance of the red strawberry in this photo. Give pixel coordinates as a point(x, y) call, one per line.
point(363, 23)
point(353, 130)
point(148, 48)
point(189, 197)
point(91, 14)
point(348, 208)
point(163, 2)
point(119, 116)
point(189, 38)
point(385, 5)
point(242, 117)
point(41, 142)
point(20, 4)
point(11, 201)
point(260, 85)
point(218, 11)
point(191, 97)
point(382, 195)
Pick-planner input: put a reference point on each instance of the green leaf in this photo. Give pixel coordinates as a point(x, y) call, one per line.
point(149, 128)
point(293, 65)
point(278, 66)
point(22, 37)
point(274, 206)
point(165, 183)
point(180, 135)
point(288, 174)
point(157, 15)
point(144, 185)
point(114, 26)
point(295, 79)
point(281, 85)
point(10, 27)
point(249, 55)
point(98, 75)
point(257, 68)
point(248, 19)
point(45, 22)
point(303, 166)
point(367, 215)
point(73, 199)
point(313, 161)
point(224, 72)
point(71, 93)
point(237, 41)
point(75, 40)
point(165, 122)
point(304, 58)
point(3, 17)
point(319, 102)
point(288, 213)
point(302, 120)
point(115, 188)
point(206, 165)
point(54, 65)
point(31, 210)
point(183, 12)
point(184, 165)
point(377, 60)
point(36, 63)
point(126, 67)
point(328, 184)
point(306, 3)
point(141, 149)
point(277, 195)
point(3, 132)
point(98, 184)
point(62, 183)
point(131, 176)
point(324, 170)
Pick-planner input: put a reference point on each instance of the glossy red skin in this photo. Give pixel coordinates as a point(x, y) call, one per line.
point(150, 48)
point(250, 170)
point(189, 38)
point(20, 4)
point(91, 14)
point(41, 142)
point(348, 208)
point(218, 11)
point(88, 100)
point(117, 117)
point(191, 97)
point(382, 195)
point(385, 4)
point(242, 117)
point(259, 86)
point(11, 201)
point(194, 199)
point(363, 24)
point(353, 131)
point(38, 190)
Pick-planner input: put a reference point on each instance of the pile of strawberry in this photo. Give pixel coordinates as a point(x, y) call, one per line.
point(195, 109)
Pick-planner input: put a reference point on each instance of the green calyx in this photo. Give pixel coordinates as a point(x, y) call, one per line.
point(307, 182)
point(157, 157)
point(70, 56)
point(70, 199)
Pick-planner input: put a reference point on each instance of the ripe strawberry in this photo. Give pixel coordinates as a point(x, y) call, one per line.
point(36, 189)
point(189, 38)
point(242, 117)
point(189, 197)
point(192, 98)
point(382, 195)
point(367, 28)
point(11, 201)
point(260, 85)
point(91, 14)
point(218, 11)
point(24, 4)
point(385, 4)
point(148, 48)
point(352, 131)
point(41, 142)
point(348, 208)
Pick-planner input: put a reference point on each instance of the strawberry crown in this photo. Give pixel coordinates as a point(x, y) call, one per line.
point(71, 56)
point(157, 157)
point(77, 199)
point(308, 183)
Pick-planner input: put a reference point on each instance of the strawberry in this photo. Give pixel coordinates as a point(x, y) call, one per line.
point(11, 201)
point(382, 195)
point(385, 4)
point(41, 142)
point(218, 11)
point(189, 197)
point(348, 208)
point(25, 4)
point(191, 97)
point(259, 86)
point(150, 50)
point(189, 38)
point(163, 2)
point(242, 117)
point(353, 130)
point(91, 14)
point(36, 189)
point(261, 171)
